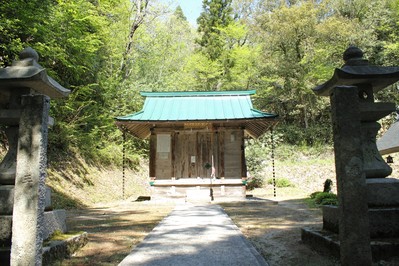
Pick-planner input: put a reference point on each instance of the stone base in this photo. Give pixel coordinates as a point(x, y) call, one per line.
point(54, 251)
point(53, 220)
point(198, 193)
point(5, 230)
point(328, 243)
point(7, 177)
point(7, 199)
point(382, 192)
point(383, 202)
point(63, 249)
point(5, 253)
point(201, 189)
point(383, 221)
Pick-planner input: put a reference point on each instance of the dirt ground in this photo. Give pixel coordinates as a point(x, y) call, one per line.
point(275, 230)
point(113, 229)
point(272, 225)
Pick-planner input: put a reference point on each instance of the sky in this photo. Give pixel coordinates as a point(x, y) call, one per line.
point(191, 9)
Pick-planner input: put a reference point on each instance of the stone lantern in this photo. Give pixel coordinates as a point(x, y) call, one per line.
point(25, 92)
point(368, 79)
point(367, 199)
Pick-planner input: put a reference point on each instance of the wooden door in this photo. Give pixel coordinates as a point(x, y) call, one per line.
point(185, 150)
point(192, 151)
point(204, 154)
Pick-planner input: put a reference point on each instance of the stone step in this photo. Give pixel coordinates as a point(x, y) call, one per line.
point(383, 221)
point(328, 243)
point(198, 195)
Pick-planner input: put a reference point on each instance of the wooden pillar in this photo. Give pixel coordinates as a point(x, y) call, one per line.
point(217, 154)
point(153, 145)
point(172, 154)
point(243, 163)
point(221, 158)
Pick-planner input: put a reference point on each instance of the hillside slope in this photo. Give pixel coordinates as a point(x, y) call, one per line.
point(76, 183)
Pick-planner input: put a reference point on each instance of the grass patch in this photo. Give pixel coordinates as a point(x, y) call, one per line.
point(60, 236)
point(281, 182)
point(60, 200)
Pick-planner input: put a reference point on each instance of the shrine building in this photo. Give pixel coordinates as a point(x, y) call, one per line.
point(197, 141)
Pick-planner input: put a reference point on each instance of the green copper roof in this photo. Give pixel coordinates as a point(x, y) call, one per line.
point(193, 106)
point(196, 107)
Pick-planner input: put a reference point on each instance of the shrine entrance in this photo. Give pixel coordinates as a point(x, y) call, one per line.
point(193, 151)
point(197, 140)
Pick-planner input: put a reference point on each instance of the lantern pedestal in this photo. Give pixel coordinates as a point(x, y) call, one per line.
point(383, 214)
point(365, 224)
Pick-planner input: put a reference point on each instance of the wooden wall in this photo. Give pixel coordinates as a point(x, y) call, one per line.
point(163, 157)
point(183, 154)
point(232, 153)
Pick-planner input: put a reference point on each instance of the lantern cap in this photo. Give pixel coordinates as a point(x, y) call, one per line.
point(358, 72)
point(27, 73)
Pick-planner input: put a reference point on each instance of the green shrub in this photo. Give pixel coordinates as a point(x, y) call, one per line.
point(281, 182)
point(325, 198)
point(254, 182)
point(314, 194)
point(329, 201)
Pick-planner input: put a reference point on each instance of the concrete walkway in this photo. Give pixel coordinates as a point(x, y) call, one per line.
point(195, 235)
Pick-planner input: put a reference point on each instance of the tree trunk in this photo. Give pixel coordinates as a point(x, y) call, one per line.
point(141, 7)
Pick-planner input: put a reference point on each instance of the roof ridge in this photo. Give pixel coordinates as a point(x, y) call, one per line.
point(196, 93)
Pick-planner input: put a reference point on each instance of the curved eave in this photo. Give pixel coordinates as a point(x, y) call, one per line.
point(35, 80)
point(253, 127)
point(378, 77)
point(389, 142)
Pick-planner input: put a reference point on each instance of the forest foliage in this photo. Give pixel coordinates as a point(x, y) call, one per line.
point(107, 51)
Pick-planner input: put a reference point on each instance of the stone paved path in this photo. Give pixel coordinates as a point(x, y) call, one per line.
point(195, 235)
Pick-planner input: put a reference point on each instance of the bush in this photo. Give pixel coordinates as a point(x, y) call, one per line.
point(324, 198)
point(330, 201)
point(281, 182)
point(254, 182)
point(314, 194)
